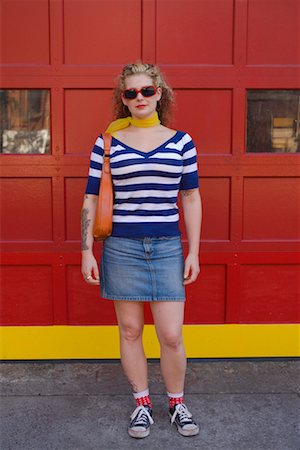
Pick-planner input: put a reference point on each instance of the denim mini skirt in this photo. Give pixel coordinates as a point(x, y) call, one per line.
point(142, 269)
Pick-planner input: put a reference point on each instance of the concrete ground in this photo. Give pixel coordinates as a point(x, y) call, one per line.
point(239, 404)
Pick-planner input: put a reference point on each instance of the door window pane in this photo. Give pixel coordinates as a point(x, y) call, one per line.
point(273, 118)
point(25, 121)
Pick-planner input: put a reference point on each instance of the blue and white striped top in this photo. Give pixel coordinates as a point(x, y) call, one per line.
point(146, 184)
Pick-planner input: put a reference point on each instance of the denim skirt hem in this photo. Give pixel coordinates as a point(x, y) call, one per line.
point(146, 269)
point(143, 299)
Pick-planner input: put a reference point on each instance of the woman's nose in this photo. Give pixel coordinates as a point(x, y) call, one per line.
point(139, 96)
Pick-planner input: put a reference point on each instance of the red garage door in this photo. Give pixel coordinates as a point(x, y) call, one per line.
point(234, 66)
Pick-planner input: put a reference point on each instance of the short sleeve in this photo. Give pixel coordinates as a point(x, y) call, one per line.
point(189, 179)
point(95, 171)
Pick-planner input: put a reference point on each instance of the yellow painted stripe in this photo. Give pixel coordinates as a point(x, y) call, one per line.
point(201, 341)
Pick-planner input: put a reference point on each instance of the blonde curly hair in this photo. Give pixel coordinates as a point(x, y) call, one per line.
point(165, 104)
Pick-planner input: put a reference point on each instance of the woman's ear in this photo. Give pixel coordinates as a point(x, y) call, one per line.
point(159, 93)
point(123, 100)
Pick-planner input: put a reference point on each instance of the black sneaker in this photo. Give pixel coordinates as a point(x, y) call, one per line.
point(141, 419)
point(183, 420)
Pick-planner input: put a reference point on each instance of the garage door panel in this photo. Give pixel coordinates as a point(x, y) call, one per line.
point(25, 32)
point(233, 67)
point(206, 298)
point(26, 209)
point(271, 209)
point(203, 26)
point(87, 114)
point(215, 194)
point(273, 32)
point(26, 295)
point(84, 303)
point(206, 115)
point(270, 293)
point(89, 26)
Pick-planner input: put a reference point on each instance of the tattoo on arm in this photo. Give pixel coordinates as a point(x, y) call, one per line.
point(188, 192)
point(84, 226)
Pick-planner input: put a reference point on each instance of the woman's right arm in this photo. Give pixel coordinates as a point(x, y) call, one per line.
point(89, 265)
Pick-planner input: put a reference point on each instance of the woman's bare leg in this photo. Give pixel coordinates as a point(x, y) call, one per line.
point(130, 316)
point(168, 319)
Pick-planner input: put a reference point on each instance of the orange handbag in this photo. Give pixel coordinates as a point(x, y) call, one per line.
point(104, 212)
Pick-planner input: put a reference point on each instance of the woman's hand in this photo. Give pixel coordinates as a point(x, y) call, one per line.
point(89, 268)
point(191, 268)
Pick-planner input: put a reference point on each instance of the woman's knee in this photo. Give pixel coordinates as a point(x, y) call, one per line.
point(171, 340)
point(131, 332)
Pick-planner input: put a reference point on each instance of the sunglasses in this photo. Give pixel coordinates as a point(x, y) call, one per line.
point(146, 91)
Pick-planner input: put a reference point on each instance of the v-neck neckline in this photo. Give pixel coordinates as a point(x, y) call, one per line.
point(151, 152)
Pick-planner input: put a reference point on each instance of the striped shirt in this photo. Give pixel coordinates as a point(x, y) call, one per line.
point(146, 184)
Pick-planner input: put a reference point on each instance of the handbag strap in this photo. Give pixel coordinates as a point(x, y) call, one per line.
point(106, 155)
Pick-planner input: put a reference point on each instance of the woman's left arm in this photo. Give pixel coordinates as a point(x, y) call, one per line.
point(192, 210)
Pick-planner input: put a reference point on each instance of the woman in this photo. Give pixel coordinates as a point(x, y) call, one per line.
point(143, 260)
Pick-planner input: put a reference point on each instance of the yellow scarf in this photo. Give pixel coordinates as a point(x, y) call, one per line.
point(119, 124)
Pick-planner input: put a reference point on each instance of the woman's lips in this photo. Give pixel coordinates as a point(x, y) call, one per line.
point(141, 106)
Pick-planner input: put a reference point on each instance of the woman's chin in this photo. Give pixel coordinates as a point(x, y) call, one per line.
point(142, 113)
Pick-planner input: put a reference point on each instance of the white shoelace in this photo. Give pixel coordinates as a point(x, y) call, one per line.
point(138, 414)
point(183, 413)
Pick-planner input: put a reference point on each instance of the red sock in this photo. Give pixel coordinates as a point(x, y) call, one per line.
point(175, 399)
point(142, 398)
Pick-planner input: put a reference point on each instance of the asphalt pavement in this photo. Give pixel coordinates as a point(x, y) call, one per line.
point(80, 405)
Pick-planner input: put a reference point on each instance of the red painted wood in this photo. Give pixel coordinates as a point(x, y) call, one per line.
point(84, 303)
point(149, 43)
point(88, 32)
point(250, 241)
point(207, 116)
point(233, 290)
point(270, 293)
point(25, 32)
point(272, 31)
point(26, 209)
point(236, 208)
point(74, 192)
point(27, 298)
point(56, 15)
point(188, 33)
point(59, 289)
point(216, 202)
point(206, 302)
point(87, 113)
point(271, 208)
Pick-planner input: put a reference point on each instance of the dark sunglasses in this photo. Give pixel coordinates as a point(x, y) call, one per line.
point(146, 91)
